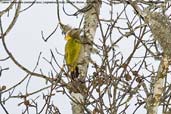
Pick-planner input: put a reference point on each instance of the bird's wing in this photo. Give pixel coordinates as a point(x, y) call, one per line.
point(72, 52)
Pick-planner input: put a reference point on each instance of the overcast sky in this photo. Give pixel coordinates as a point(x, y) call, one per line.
point(25, 43)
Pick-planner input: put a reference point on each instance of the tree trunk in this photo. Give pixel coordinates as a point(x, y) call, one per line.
point(90, 25)
point(154, 101)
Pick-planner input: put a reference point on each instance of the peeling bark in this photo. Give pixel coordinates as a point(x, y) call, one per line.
point(90, 25)
point(154, 101)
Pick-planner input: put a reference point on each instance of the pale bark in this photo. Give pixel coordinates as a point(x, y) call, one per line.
point(154, 101)
point(77, 107)
point(156, 20)
point(90, 25)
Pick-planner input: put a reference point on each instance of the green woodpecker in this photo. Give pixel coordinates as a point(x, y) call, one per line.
point(72, 51)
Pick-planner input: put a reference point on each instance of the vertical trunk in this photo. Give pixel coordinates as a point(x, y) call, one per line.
point(90, 25)
point(154, 101)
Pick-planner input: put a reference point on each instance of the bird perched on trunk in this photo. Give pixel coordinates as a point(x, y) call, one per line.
point(72, 51)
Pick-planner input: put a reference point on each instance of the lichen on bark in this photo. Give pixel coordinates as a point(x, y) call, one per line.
point(161, 29)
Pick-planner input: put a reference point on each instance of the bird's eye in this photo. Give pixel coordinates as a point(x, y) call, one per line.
point(76, 29)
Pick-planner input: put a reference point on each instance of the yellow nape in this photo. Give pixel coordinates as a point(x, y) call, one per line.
point(68, 37)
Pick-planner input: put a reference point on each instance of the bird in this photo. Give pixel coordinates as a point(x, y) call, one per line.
point(72, 51)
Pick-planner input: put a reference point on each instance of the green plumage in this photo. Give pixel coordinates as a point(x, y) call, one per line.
point(72, 51)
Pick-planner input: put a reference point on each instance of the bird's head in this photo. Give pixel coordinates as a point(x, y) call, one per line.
point(73, 34)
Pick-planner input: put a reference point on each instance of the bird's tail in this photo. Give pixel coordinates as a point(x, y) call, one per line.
point(75, 73)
